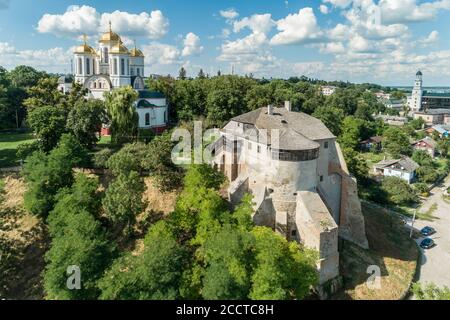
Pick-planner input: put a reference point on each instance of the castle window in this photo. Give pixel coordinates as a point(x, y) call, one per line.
point(326, 145)
point(147, 119)
point(122, 67)
point(321, 178)
point(294, 233)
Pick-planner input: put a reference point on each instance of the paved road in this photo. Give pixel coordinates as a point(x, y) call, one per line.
point(436, 261)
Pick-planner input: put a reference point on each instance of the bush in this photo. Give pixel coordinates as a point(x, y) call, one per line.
point(101, 158)
point(398, 191)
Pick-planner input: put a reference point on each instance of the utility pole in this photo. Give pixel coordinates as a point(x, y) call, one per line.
point(412, 224)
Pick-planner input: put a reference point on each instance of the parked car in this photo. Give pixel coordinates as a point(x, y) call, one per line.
point(427, 231)
point(427, 243)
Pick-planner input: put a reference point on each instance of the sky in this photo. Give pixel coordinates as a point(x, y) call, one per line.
point(377, 41)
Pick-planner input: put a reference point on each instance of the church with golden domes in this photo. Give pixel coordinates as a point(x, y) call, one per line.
point(113, 65)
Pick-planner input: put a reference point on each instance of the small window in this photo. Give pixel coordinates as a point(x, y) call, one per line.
point(259, 149)
point(326, 145)
point(147, 119)
point(294, 233)
point(321, 178)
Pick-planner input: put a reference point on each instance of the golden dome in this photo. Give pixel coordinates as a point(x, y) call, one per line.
point(136, 53)
point(119, 48)
point(85, 49)
point(110, 36)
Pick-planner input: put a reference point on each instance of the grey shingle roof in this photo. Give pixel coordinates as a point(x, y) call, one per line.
point(298, 131)
point(428, 141)
point(405, 164)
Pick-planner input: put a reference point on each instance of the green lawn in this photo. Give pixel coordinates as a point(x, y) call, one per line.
point(8, 146)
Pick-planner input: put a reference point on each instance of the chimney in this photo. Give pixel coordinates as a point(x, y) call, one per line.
point(288, 106)
point(270, 109)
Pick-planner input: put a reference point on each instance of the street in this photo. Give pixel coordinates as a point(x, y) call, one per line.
point(436, 261)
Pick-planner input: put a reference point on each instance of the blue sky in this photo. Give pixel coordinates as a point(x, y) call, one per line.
point(380, 41)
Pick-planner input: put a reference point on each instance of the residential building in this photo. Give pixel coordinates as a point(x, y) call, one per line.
point(392, 120)
point(426, 144)
point(373, 143)
point(294, 168)
point(328, 90)
point(433, 116)
point(403, 168)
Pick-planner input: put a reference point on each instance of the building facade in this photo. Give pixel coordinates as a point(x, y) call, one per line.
point(294, 168)
point(426, 144)
point(112, 66)
point(403, 168)
point(433, 116)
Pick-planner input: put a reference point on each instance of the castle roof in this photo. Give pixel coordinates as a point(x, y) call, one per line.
point(297, 130)
point(419, 73)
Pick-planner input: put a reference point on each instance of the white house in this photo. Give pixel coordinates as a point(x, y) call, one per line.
point(403, 168)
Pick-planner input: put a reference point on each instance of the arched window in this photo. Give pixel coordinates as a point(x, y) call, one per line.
point(147, 119)
point(105, 55)
point(88, 66)
point(122, 67)
point(95, 85)
point(80, 66)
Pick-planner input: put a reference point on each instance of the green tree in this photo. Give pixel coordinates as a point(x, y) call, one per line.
point(83, 244)
point(352, 132)
point(123, 200)
point(131, 157)
point(182, 74)
point(122, 114)
point(331, 117)
point(44, 94)
point(422, 158)
point(281, 270)
point(45, 174)
point(398, 191)
point(228, 257)
point(356, 163)
point(85, 120)
point(201, 74)
point(48, 123)
point(396, 142)
point(158, 160)
point(154, 275)
point(25, 76)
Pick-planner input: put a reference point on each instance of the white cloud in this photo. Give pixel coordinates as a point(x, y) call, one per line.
point(298, 28)
point(159, 53)
point(332, 47)
point(433, 37)
point(324, 9)
point(86, 19)
point(258, 23)
point(229, 14)
point(154, 25)
point(51, 60)
point(400, 11)
point(6, 48)
point(339, 3)
point(74, 21)
point(191, 45)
